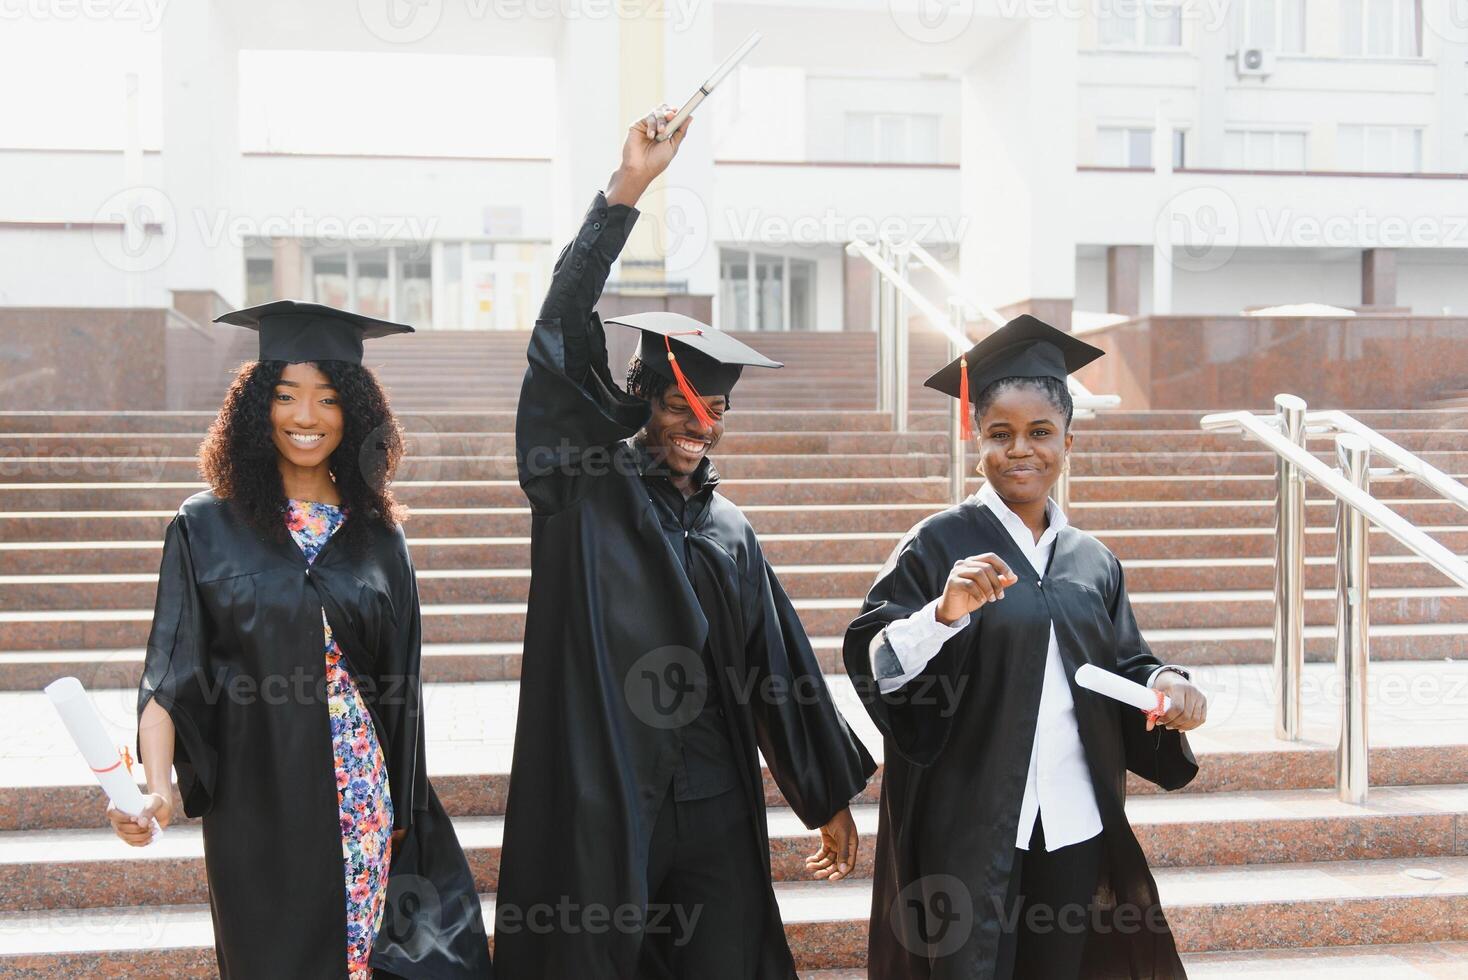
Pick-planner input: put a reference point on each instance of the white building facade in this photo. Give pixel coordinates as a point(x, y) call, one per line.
point(423, 161)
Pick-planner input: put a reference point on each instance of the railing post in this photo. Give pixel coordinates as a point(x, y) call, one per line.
point(957, 466)
point(1289, 572)
point(899, 348)
point(1352, 621)
point(886, 319)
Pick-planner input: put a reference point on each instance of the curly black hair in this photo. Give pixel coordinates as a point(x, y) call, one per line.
point(1057, 391)
point(645, 383)
point(238, 457)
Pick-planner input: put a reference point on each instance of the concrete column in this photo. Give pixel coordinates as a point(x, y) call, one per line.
point(1124, 279)
point(689, 54)
point(287, 268)
point(588, 119)
point(201, 152)
point(1018, 166)
point(1215, 71)
point(1445, 44)
point(1162, 249)
point(1378, 277)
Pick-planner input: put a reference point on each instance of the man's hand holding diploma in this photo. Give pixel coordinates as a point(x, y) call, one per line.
point(643, 157)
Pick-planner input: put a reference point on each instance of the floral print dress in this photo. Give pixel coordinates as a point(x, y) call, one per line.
point(361, 772)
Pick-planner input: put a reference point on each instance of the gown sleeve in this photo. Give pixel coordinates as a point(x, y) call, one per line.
point(175, 673)
point(1160, 756)
point(402, 712)
point(571, 408)
point(915, 726)
point(813, 756)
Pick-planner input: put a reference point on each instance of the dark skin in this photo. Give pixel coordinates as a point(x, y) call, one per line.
point(673, 421)
point(1023, 447)
point(674, 434)
point(306, 427)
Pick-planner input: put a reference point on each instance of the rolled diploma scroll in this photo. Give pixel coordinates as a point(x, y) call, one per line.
point(1093, 678)
point(707, 87)
point(90, 735)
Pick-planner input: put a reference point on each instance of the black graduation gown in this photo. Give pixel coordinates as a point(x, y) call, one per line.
point(236, 657)
point(958, 740)
point(610, 603)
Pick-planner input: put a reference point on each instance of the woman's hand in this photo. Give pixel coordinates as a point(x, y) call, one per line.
point(1189, 706)
point(837, 857)
point(973, 582)
point(138, 831)
point(643, 157)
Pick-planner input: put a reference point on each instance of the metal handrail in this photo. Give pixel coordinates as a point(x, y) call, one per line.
point(1285, 435)
point(1369, 507)
point(910, 292)
point(950, 281)
point(1404, 461)
point(1086, 403)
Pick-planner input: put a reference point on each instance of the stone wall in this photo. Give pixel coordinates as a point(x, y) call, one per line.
point(1242, 362)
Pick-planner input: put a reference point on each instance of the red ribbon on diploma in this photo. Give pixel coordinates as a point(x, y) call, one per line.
point(1156, 713)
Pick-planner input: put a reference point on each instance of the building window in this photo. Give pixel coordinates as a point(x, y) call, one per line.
point(1381, 28)
point(1379, 149)
point(760, 291)
point(1258, 149)
point(259, 280)
point(432, 285)
point(1140, 23)
point(1273, 25)
point(1131, 146)
point(890, 137)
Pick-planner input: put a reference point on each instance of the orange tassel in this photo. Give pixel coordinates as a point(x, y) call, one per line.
point(690, 393)
point(966, 428)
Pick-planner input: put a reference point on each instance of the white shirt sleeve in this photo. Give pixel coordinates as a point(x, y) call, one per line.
point(1152, 678)
point(914, 641)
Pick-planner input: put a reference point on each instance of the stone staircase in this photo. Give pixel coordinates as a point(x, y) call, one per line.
point(1263, 872)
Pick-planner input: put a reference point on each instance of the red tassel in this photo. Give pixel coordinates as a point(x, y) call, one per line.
point(690, 393)
point(966, 429)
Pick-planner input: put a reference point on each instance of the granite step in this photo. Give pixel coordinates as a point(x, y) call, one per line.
point(197, 422)
point(1424, 643)
point(1418, 716)
point(66, 466)
point(736, 439)
point(896, 510)
point(1156, 561)
point(837, 577)
point(474, 622)
point(1252, 907)
point(489, 421)
point(899, 474)
point(59, 869)
point(164, 444)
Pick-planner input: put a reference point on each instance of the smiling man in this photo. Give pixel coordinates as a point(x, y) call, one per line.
point(661, 658)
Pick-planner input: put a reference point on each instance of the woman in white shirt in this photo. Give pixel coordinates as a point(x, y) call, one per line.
point(1004, 849)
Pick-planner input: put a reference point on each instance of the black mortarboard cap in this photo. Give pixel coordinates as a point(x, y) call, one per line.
point(1025, 347)
point(709, 359)
point(293, 331)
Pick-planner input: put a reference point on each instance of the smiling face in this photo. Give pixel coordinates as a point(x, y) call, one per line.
point(1023, 442)
point(305, 416)
point(675, 435)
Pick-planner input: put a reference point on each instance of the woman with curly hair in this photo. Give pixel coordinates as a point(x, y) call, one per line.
point(281, 678)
